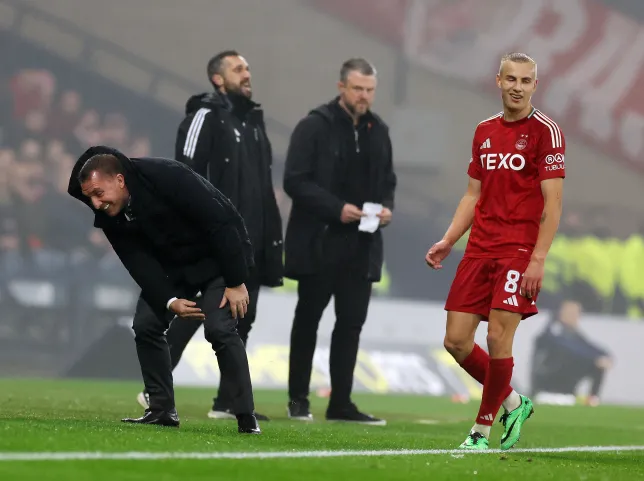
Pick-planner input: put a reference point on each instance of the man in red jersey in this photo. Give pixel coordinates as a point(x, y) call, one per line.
point(513, 205)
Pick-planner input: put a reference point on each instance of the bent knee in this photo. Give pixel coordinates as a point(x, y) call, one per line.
point(458, 347)
point(219, 333)
point(147, 324)
point(459, 334)
point(223, 329)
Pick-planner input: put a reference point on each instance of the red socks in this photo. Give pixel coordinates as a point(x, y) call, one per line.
point(495, 376)
point(476, 365)
point(495, 389)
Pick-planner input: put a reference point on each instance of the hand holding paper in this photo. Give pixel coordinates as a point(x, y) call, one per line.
point(370, 221)
point(385, 216)
point(350, 213)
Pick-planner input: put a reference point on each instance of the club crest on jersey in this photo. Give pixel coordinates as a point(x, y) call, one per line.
point(502, 161)
point(521, 144)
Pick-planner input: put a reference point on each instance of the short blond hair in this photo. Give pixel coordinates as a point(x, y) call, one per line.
point(518, 57)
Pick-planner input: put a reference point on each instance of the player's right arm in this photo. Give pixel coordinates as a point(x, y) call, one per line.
point(464, 215)
point(461, 222)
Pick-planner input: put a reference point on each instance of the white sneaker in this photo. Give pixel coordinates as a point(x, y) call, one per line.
point(212, 414)
point(143, 398)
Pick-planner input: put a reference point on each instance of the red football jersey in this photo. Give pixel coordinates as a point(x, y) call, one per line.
point(511, 159)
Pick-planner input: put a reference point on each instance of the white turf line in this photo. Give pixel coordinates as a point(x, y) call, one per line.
point(145, 456)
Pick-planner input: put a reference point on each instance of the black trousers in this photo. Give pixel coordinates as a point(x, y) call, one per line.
point(351, 294)
point(220, 329)
point(182, 330)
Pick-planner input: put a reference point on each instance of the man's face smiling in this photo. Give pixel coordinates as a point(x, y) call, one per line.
point(108, 193)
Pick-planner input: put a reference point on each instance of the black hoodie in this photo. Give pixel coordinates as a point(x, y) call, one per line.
point(182, 232)
point(199, 131)
point(226, 142)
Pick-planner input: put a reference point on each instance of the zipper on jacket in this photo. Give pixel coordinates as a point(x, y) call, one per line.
point(356, 136)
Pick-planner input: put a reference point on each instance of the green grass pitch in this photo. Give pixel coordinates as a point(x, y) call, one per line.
point(83, 417)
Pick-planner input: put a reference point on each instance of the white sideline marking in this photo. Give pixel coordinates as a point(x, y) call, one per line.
point(145, 456)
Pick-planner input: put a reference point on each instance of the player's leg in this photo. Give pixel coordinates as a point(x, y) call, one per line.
point(459, 342)
point(496, 386)
point(467, 303)
point(509, 307)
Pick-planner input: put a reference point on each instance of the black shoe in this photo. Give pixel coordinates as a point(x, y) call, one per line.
point(350, 414)
point(162, 418)
point(299, 411)
point(247, 424)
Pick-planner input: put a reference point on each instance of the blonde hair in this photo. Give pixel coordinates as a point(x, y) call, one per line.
point(518, 57)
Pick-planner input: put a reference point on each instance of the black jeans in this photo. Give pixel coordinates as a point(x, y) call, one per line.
point(352, 294)
point(220, 329)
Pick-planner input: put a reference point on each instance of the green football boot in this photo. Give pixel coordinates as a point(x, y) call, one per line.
point(513, 422)
point(475, 441)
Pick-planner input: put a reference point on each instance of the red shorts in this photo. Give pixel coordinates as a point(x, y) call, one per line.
point(482, 284)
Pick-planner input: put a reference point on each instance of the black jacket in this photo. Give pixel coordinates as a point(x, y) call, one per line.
point(184, 232)
point(217, 139)
point(313, 159)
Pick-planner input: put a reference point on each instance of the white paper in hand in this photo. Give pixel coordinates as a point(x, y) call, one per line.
point(370, 222)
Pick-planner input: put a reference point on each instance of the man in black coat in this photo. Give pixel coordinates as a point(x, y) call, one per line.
point(223, 138)
point(339, 158)
point(177, 235)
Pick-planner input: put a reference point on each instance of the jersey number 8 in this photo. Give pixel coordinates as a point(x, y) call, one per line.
point(512, 279)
